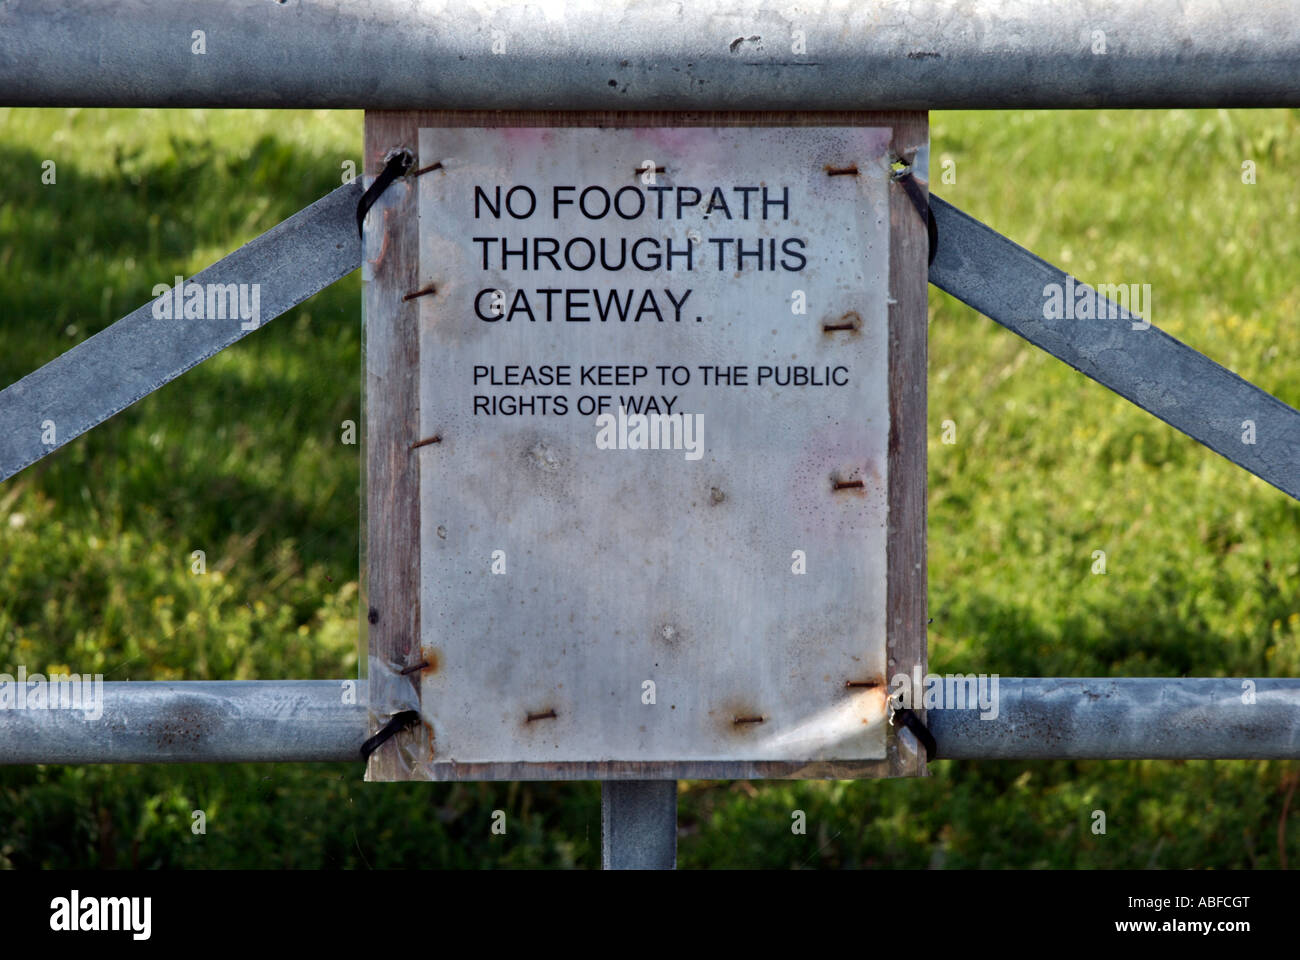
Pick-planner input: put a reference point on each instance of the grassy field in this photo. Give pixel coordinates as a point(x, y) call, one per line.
point(242, 458)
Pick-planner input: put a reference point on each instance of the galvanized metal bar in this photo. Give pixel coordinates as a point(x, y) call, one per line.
point(192, 722)
point(646, 54)
point(638, 824)
point(312, 720)
point(1129, 718)
point(108, 372)
point(1122, 351)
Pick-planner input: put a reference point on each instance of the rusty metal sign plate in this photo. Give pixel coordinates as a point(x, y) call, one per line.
point(654, 420)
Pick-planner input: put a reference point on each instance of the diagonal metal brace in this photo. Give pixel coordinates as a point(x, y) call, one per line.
point(108, 372)
point(1162, 375)
point(139, 353)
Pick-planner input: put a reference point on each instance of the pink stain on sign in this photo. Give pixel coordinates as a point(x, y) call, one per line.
point(527, 138)
point(676, 139)
point(703, 145)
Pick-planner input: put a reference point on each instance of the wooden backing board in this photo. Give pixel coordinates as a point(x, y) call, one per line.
point(391, 551)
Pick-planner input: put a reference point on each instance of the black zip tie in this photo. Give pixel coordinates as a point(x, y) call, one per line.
point(908, 182)
point(919, 729)
point(397, 165)
point(400, 722)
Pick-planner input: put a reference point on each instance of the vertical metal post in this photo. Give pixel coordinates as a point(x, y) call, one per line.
point(638, 824)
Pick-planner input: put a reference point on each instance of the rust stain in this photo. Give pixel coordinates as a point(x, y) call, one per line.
point(737, 717)
point(383, 247)
point(848, 485)
point(422, 292)
point(850, 322)
point(430, 663)
point(181, 727)
point(870, 698)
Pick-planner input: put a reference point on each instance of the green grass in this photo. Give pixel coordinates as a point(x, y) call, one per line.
point(241, 458)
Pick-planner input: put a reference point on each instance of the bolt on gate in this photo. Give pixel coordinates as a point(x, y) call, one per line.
point(509, 153)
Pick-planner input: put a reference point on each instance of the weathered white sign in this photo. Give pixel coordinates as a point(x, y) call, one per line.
point(654, 422)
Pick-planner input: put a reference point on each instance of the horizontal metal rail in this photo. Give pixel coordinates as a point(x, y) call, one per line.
point(649, 54)
point(310, 720)
point(194, 722)
point(1130, 718)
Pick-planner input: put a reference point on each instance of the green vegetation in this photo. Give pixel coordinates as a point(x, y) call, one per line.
point(241, 458)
